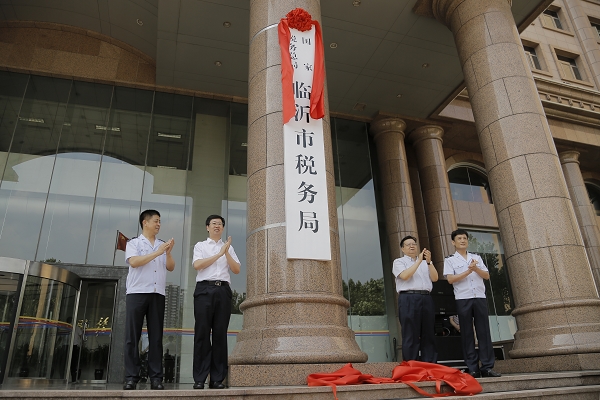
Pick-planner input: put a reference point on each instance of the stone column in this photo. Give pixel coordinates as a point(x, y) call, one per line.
point(398, 205)
point(439, 209)
point(587, 37)
point(295, 311)
point(557, 305)
point(584, 211)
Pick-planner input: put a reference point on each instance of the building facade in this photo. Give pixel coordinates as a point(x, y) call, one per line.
point(496, 133)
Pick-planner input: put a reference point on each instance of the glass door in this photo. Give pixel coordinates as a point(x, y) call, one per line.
point(91, 346)
point(10, 284)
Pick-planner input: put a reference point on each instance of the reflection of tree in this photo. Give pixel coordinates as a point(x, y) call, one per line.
point(236, 300)
point(365, 298)
point(500, 287)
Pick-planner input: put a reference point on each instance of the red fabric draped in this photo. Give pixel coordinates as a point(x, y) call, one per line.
point(317, 105)
point(408, 372)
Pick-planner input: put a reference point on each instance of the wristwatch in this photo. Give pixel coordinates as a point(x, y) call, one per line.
point(430, 263)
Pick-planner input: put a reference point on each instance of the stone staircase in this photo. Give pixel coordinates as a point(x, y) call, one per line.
point(573, 385)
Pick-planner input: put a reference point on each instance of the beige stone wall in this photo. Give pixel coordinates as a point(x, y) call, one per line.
point(69, 51)
point(548, 40)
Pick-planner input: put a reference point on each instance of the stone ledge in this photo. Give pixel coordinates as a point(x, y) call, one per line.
point(295, 374)
point(572, 362)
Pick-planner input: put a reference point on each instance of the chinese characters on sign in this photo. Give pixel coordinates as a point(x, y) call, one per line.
point(306, 205)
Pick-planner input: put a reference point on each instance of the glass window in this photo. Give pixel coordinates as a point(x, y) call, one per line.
point(164, 185)
point(469, 184)
point(43, 335)
point(552, 19)
point(596, 27)
point(532, 57)
point(68, 215)
point(359, 240)
point(498, 292)
point(568, 67)
point(30, 162)
point(594, 193)
point(117, 205)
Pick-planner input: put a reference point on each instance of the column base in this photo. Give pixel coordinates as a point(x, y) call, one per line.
point(295, 374)
point(571, 362)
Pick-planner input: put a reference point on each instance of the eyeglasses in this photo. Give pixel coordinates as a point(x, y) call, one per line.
point(216, 224)
point(410, 244)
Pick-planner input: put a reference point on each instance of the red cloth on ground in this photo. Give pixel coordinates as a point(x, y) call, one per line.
point(408, 372)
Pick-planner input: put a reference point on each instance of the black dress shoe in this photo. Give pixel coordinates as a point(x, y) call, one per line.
point(475, 374)
point(156, 384)
point(216, 385)
point(198, 385)
point(490, 373)
point(129, 385)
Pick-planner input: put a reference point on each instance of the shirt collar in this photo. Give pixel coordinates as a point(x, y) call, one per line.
point(209, 240)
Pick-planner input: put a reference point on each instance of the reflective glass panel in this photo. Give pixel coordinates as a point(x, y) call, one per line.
point(362, 268)
point(11, 97)
point(237, 211)
point(10, 288)
point(44, 330)
point(594, 194)
point(206, 194)
point(68, 216)
point(91, 345)
point(498, 292)
point(29, 167)
point(469, 184)
point(117, 205)
point(164, 190)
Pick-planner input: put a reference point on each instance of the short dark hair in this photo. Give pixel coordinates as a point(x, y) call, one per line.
point(214, 216)
point(459, 232)
point(146, 215)
point(406, 238)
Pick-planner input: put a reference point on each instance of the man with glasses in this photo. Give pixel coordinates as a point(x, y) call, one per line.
point(213, 260)
point(415, 275)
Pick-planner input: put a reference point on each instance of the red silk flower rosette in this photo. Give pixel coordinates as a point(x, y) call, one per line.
point(301, 20)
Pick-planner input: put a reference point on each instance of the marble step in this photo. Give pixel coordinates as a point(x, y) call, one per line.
point(555, 385)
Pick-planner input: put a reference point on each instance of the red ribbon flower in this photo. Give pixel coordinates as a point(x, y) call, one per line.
point(299, 19)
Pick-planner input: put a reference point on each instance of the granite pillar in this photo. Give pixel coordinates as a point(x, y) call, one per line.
point(437, 200)
point(557, 306)
point(295, 311)
point(584, 211)
point(587, 37)
point(398, 205)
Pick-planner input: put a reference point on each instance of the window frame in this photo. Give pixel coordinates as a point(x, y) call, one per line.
point(477, 168)
point(549, 21)
point(579, 64)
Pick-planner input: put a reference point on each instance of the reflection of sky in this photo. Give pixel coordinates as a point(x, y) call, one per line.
point(71, 205)
point(359, 236)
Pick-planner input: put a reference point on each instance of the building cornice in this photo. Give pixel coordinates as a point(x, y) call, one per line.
point(569, 102)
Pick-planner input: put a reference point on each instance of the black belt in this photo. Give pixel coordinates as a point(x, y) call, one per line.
point(215, 283)
point(415, 291)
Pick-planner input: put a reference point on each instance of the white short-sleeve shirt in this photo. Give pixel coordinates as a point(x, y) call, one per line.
point(420, 279)
point(217, 271)
point(148, 278)
point(470, 287)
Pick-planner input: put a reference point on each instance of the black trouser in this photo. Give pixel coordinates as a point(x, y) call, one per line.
point(138, 306)
point(212, 310)
point(469, 311)
point(417, 317)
